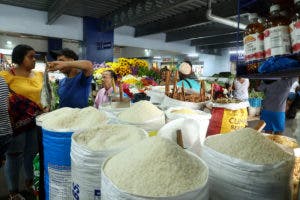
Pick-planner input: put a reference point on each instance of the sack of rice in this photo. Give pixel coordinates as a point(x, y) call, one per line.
point(227, 117)
point(170, 102)
point(90, 148)
point(58, 127)
point(155, 168)
point(246, 165)
point(71, 119)
point(144, 115)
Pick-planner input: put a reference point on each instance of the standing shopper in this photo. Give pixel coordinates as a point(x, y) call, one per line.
point(241, 86)
point(5, 127)
point(273, 112)
point(24, 102)
point(74, 90)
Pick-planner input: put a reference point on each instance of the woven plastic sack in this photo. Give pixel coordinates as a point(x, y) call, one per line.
point(151, 125)
point(169, 102)
point(227, 117)
point(57, 164)
point(234, 179)
point(86, 169)
point(112, 192)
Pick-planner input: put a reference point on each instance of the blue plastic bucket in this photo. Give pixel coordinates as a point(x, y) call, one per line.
point(57, 164)
point(255, 102)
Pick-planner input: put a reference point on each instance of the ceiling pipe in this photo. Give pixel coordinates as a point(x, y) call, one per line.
point(222, 20)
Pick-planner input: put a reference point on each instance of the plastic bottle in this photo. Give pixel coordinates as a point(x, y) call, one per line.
point(254, 39)
point(276, 35)
point(295, 28)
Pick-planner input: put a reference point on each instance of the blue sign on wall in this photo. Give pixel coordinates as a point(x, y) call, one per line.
point(98, 45)
point(103, 45)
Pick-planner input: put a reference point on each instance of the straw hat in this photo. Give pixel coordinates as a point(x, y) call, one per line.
point(185, 68)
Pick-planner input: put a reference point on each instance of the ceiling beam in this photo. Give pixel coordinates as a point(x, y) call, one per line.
point(219, 46)
point(225, 8)
point(199, 32)
point(58, 8)
point(138, 11)
point(230, 37)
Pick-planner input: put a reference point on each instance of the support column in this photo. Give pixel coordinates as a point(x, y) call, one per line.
point(98, 46)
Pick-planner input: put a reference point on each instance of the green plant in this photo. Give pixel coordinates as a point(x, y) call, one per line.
point(255, 94)
point(143, 71)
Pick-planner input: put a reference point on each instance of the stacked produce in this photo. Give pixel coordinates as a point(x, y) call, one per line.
point(157, 168)
point(253, 167)
point(179, 93)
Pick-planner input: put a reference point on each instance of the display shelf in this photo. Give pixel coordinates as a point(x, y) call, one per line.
point(275, 75)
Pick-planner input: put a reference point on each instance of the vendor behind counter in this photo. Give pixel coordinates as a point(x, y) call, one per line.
point(188, 77)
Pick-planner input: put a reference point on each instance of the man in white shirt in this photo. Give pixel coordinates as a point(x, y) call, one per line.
point(241, 86)
point(292, 95)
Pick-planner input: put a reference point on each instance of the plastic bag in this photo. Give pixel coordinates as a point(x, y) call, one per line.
point(278, 63)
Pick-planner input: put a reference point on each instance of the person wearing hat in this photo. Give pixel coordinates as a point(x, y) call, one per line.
point(187, 77)
point(75, 88)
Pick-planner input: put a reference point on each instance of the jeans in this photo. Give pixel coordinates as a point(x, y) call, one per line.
point(21, 152)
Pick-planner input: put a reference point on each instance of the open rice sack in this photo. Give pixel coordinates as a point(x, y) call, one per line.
point(155, 168)
point(246, 165)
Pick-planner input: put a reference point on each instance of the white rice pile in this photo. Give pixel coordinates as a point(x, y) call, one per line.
point(110, 137)
point(248, 145)
point(73, 118)
point(140, 112)
point(156, 167)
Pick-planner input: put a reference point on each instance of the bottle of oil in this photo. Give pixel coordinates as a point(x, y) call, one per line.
point(254, 43)
point(295, 28)
point(254, 39)
point(276, 35)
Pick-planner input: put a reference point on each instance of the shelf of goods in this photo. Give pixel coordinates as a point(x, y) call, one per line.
point(275, 75)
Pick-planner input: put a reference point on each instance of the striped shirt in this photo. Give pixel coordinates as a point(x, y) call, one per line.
point(5, 126)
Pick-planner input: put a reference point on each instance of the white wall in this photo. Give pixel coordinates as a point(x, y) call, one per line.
point(140, 52)
point(214, 64)
point(37, 44)
point(73, 45)
point(23, 20)
point(124, 36)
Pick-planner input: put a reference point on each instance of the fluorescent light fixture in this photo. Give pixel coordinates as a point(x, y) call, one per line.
point(8, 42)
point(237, 52)
point(193, 55)
point(147, 52)
point(157, 57)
